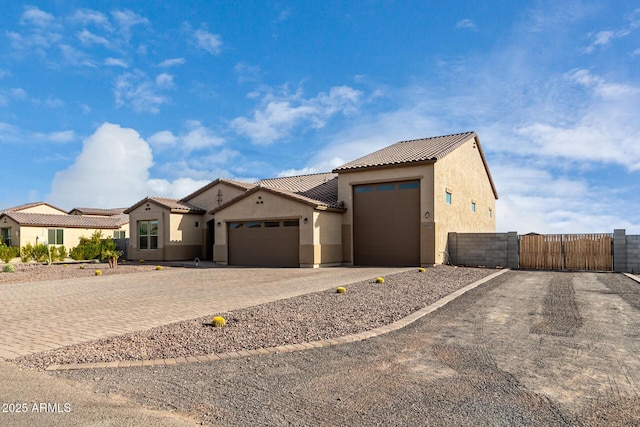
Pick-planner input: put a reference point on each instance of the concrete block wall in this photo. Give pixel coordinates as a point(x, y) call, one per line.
point(483, 249)
point(633, 254)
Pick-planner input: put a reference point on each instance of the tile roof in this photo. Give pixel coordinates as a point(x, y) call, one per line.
point(319, 187)
point(174, 205)
point(66, 221)
point(96, 211)
point(30, 205)
point(412, 151)
point(234, 183)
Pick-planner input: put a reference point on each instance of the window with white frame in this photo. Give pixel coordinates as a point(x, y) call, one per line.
point(55, 236)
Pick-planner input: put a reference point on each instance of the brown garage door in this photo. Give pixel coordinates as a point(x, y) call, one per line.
point(386, 223)
point(264, 243)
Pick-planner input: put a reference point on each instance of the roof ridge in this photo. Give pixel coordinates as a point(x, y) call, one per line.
point(435, 137)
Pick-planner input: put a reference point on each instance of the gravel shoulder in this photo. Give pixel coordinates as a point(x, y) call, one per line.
point(311, 317)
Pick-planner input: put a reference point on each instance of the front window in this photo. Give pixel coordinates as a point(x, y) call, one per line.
point(473, 207)
point(148, 234)
point(56, 236)
point(5, 236)
point(448, 197)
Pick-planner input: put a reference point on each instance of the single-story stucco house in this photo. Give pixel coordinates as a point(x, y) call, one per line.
point(41, 222)
point(391, 207)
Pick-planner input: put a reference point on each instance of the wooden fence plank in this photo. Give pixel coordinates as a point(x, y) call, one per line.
point(568, 251)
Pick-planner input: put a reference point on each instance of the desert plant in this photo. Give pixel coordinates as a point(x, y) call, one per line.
point(7, 253)
point(341, 290)
point(112, 255)
point(81, 267)
point(38, 252)
point(421, 270)
point(98, 273)
point(141, 261)
point(218, 321)
point(380, 280)
point(9, 268)
point(158, 267)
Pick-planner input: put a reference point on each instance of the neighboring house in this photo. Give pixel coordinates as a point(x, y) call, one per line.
point(43, 223)
point(392, 207)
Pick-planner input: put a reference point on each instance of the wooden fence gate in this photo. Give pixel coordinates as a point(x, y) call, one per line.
point(566, 251)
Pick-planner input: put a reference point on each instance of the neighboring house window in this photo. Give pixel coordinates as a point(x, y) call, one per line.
point(6, 236)
point(119, 234)
point(448, 197)
point(56, 236)
point(490, 213)
point(148, 235)
point(473, 207)
point(197, 224)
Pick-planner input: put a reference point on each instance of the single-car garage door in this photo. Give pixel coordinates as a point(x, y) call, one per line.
point(264, 243)
point(386, 223)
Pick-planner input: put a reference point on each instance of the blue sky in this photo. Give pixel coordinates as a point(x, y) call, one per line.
point(104, 103)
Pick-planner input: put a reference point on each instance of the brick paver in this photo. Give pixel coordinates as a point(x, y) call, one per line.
point(45, 315)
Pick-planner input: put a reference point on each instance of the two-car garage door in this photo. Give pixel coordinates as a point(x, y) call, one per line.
point(273, 243)
point(386, 223)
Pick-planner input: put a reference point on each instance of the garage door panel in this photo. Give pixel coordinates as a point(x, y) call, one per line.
point(256, 244)
point(386, 223)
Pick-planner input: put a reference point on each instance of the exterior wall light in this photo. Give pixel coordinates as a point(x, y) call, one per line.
point(305, 220)
point(218, 224)
point(426, 214)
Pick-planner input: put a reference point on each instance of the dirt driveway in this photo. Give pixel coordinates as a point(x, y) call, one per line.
point(527, 348)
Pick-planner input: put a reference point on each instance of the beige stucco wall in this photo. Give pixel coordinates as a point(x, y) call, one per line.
point(71, 236)
point(321, 228)
point(154, 212)
point(463, 173)
point(423, 173)
point(42, 209)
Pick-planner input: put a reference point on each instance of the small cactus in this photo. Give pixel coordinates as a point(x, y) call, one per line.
point(158, 267)
point(98, 272)
point(218, 321)
point(341, 290)
point(65, 265)
point(81, 267)
point(421, 270)
point(141, 261)
point(380, 280)
point(9, 268)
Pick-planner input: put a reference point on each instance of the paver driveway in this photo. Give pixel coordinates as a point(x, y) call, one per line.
point(524, 349)
point(40, 316)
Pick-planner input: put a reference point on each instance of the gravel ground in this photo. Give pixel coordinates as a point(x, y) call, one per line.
point(525, 349)
point(311, 317)
point(35, 272)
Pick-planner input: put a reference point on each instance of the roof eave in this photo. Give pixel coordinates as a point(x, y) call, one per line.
point(386, 166)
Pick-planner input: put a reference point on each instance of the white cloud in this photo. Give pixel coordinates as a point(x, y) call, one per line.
point(279, 114)
point(87, 38)
point(467, 24)
point(194, 137)
point(171, 62)
point(207, 41)
point(164, 81)
point(59, 137)
point(140, 93)
point(88, 16)
point(111, 170)
point(34, 16)
point(115, 62)
point(127, 19)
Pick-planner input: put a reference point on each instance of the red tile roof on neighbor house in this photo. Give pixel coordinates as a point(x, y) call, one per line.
point(30, 205)
point(175, 205)
point(66, 221)
point(96, 211)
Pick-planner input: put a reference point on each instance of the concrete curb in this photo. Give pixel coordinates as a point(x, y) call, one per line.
point(289, 347)
point(632, 276)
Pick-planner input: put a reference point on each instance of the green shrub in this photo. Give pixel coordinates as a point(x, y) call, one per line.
point(9, 268)
point(158, 267)
point(39, 252)
point(218, 321)
point(81, 267)
point(341, 290)
point(7, 253)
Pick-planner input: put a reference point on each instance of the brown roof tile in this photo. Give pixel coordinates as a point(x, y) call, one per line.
point(234, 183)
point(66, 221)
point(319, 187)
point(30, 205)
point(174, 205)
point(412, 151)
